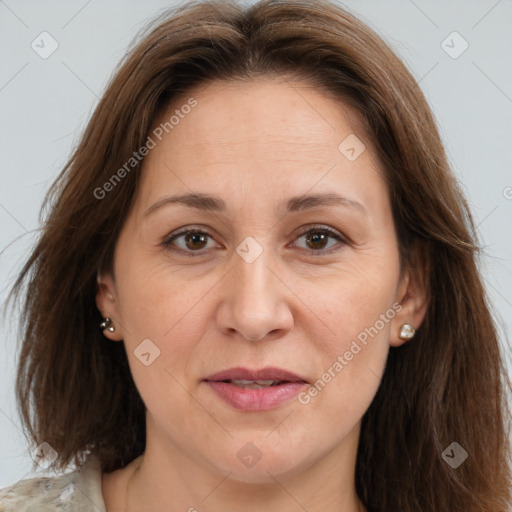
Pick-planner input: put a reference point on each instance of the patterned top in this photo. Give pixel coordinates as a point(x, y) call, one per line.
point(78, 491)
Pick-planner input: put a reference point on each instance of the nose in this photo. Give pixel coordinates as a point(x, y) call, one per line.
point(255, 300)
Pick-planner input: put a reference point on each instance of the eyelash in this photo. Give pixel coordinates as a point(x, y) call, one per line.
point(167, 242)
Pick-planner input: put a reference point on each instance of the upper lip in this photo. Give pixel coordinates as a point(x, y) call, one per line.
point(269, 373)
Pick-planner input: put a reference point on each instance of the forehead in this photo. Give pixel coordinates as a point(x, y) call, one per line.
point(284, 117)
point(251, 135)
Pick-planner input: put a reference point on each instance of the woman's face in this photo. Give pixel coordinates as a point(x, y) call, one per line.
point(310, 288)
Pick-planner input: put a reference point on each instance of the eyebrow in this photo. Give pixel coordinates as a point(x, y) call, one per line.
point(207, 202)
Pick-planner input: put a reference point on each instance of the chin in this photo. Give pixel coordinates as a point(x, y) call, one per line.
point(258, 462)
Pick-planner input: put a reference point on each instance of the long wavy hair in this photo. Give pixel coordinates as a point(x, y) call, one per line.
point(75, 391)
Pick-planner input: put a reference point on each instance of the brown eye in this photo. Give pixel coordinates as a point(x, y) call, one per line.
point(317, 240)
point(191, 241)
point(195, 240)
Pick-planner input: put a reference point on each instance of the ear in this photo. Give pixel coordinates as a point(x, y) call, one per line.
point(107, 304)
point(412, 295)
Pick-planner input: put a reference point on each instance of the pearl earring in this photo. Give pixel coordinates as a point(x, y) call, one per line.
point(407, 332)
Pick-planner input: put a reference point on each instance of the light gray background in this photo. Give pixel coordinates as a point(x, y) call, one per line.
point(45, 104)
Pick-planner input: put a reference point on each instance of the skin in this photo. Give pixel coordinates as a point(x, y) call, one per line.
point(255, 144)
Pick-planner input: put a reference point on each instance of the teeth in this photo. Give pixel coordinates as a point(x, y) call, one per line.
point(255, 384)
point(260, 382)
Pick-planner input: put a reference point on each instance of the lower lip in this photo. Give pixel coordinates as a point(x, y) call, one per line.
point(262, 399)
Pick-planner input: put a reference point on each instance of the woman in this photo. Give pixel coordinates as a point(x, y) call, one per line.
point(256, 285)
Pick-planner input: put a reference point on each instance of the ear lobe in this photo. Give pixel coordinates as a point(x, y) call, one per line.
point(107, 305)
point(413, 295)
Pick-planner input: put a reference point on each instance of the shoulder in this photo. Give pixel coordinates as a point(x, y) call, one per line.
point(78, 491)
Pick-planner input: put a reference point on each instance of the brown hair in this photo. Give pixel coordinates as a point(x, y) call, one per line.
point(75, 390)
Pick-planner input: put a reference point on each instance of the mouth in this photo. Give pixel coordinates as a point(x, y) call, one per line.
point(265, 377)
point(253, 384)
point(255, 390)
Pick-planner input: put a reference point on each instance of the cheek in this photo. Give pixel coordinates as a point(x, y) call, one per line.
point(160, 306)
point(352, 299)
point(352, 364)
point(154, 297)
point(358, 308)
